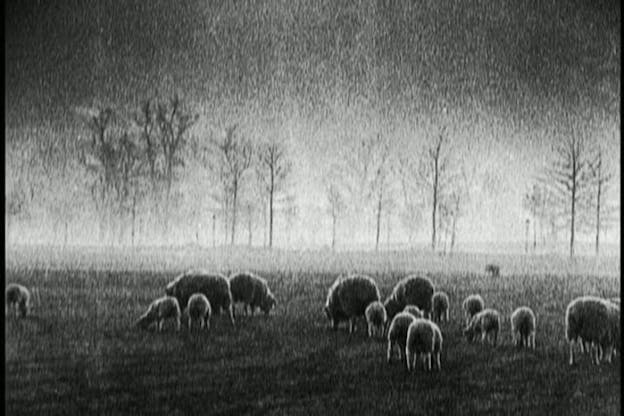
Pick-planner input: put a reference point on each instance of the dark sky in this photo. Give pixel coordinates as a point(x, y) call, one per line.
point(511, 57)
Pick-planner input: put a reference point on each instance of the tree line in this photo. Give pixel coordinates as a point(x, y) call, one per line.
point(132, 166)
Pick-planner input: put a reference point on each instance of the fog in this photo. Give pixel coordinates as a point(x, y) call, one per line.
point(503, 82)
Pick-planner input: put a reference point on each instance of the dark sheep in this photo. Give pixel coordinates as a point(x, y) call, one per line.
point(492, 269)
point(17, 299)
point(412, 290)
point(253, 291)
point(348, 298)
point(214, 286)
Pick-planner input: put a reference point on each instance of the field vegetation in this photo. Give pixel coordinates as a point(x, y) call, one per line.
point(79, 351)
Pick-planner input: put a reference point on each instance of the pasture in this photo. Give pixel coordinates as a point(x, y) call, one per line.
point(79, 352)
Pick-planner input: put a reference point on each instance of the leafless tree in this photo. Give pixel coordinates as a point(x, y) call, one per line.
point(232, 158)
point(434, 171)
point(601, 177)
point(569, 176)
point(337, 207)
point(273, 169)
point(173, 122)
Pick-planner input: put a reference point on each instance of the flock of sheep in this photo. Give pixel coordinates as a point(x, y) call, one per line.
point(408, 318)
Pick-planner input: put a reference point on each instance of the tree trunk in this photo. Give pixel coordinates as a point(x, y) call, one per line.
point(526, 237)
point(333, 245)
point(453, 233)
point(249, 227)
point(214, 230)
point(271, 192)
point(534, 235)
point(598, 215)
point(66, 232)
point(234, 202)
point(378, 221)
point(572, 216)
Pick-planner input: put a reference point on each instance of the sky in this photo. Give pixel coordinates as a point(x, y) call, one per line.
point(505, 77)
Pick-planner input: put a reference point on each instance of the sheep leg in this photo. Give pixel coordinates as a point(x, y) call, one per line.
point(178, 324)
point(190, 323)
point(351, 322)
point(438, 361)
point(408, 356)
point(428, 357)
point(160, 324)
point(389, 354)
point(370, 332)
point(207, 323)
point(483, 334)
point(571, 353)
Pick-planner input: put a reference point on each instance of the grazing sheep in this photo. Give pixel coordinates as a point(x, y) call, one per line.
point(159, 310)
point(198, 308)
point(523, 327)
point(253, 291)
point(17, 299)
point(486, 323)
point(412, 290)
point(440, 307)
point(397, 333)
point(472, 305)
point(414, 310)
point(611, 340)
point(214, 286)
point(590, 320)
point(492, 269)
point(424, 339)
point(348, 297)
point(376, 318)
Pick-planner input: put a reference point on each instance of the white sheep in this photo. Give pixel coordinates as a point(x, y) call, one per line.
point(397, 333)
point(414, 310)
point(198, 308)
point(18, 299)
point(472, 305)
point(486, 323)
point(376, 318)
point(591, 320)
point(160, 310)
point(523, 326)
point(424, 339)
point(440, 307)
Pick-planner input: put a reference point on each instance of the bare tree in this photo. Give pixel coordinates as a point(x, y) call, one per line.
point(412, 198)
point(365, 170)
point(173, 122)
point(273, 169)
point(233, 156)
point(434, 171)
point(336, 207)
point(601, 178)
point(569, 177)
point(534, 201)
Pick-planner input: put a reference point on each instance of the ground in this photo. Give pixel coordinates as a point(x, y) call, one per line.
point(79, 351)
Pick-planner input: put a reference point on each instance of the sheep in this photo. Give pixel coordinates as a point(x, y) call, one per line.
point(18, 299)
point(348, 298)
point(198, 308)
point(424, 339)
point(492, 269)
point(440, 307)
point(587, 322)
point(397, 333)
point(253, 291)
point(376, 318)
point(159, 310)
point(414, 310)
point(523, 327)
point(214, 286)
point(412, 290)
point(472, 305)
point(486, 323)
point(611, 340)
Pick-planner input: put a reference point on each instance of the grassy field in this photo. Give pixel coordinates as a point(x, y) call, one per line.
point(79, 353)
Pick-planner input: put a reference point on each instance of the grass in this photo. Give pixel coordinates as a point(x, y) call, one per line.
point(79, 353)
